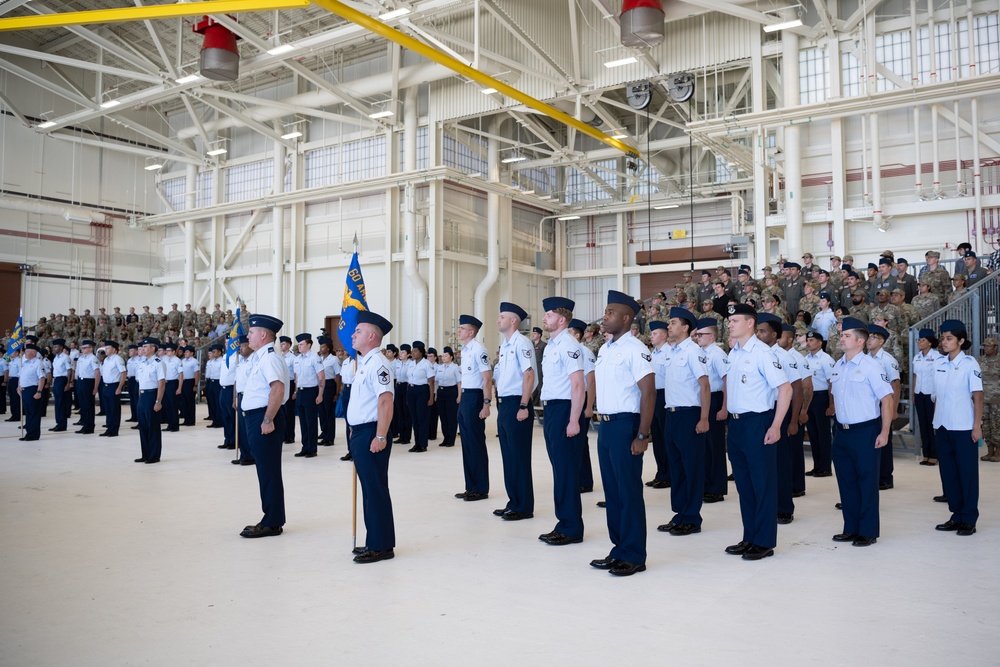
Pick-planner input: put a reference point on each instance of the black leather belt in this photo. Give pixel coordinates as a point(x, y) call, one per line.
point(501, 399)
point(556, 400)
point(247, 413)
point(684, 407)
point(617, 416)
point(848, 427)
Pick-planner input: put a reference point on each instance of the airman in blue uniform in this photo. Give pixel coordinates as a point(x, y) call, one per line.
point(150, 373)
point(474, 409)
point(31, 384)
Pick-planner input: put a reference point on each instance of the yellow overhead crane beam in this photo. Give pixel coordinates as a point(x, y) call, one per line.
point(146, 12)
point(149, 12)
point(380, 28)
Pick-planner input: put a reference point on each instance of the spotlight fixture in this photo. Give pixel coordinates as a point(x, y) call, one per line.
point(280, 49)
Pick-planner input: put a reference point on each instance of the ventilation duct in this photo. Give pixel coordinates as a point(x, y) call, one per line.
point(642, 23)
point(220, 57)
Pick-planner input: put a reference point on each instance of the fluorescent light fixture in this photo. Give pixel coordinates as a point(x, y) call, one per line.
point(619, 135)
point(190, 78)
point(660, 208)
point(281, 48)
point(527, 192)
point(292, 135)
point(775, 27)
point(394, 14)
point(488, 91)
point(381, 114)
point(513, 158)
point(619, 63)
point(47, 124)
point(110, 103)
point(217, 151)
point(153, 167)
point(569, 217)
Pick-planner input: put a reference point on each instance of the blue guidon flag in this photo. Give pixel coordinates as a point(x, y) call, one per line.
point(354, 302)
point(233, 342)
point(17, 338)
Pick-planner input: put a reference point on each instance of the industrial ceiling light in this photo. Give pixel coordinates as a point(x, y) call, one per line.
point(621, 61)
point(385, 113)
point(47, 124)
point(153, 164)
point(217, 147)
point(488, 91)
point(514, 157)
point(660, 208)
point(394, 14)
point(295, 134)
point(110, 104)
point(642, 23)
point(220, 57)
point(280, 49)
point(190, 78)
point(775, 27)
point(569, 217)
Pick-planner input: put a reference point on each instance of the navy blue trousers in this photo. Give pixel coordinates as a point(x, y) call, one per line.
point(565, 456)
point(112, 407)
point(373, 473)
point(755, 471)
point(227, 415)
point(586, 467)
point(958, 458)
point(3, 400)
point(435, 416)
point(150, 439)
point(925, 422)
point(187, 401)
point(715, 450)
point(266, 451)
point(658, 438)
point(475, 459)
point(786, 504)
point(856, 461)
point(305, 406)
point(686, 453)
point(447, 401)
point(885, 463)
point(327, 415)
point(85, 399)
point(32, 412)
point(212, 398)
point(417, 396)
point(132, 386)
point(621, 476)
point(14, 399)
point(243, 451)
point(402, 424)
point(820, 433)
point(168, 411)
point(515, 448)
point(62, 399)
point(799, 459)
point(346, 391)
point(291, 412)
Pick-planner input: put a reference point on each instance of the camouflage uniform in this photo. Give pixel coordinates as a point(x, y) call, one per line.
point(58, 326)
point(810, 304)
point(87, 325)
point(189, 318)
point(990, 368)
point(103, 331)
point(175, 319)
point(159, 317)
point(216, 314)
point(146, 320)
point(925, 304)
point(203, 319)
point(940, 282)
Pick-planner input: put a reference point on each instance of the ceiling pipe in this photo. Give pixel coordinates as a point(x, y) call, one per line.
point(492, 225)
point(419, 296)
point(68, 213)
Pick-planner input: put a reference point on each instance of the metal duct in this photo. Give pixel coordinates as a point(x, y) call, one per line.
point(642, 23)
point(220, 57)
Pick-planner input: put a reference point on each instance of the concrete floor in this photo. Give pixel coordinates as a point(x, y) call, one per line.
point(105, 561)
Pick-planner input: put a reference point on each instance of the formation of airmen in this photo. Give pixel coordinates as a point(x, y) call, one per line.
point(742, 378)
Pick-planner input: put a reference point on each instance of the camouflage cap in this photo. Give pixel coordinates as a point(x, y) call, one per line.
point(887, 253)
point(991, 341)
point(849, 259)
point(932, 253)
point(812, 283)
point(898, 291)
point(835, 258)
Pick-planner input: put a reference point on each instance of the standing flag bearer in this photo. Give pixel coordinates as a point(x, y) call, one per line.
point(13, 372)
point(355, 301)
point(474, 409)
point(17, 338)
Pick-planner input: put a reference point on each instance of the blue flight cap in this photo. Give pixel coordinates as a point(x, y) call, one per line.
point(885, 260)
point(303, 337)
point(812, 333)
point(969, 253)
point(741, 309)
point(272, 324)
point(149, 340)
point(846, 267)
point(508, 307)
point(744, 267)
point(447, 350)
point(578, 324)
point(392, 348)
point(952, 325)
point(876, 329)
point(871, 265)
point(404, 347)
point(470, 320)
point(656, 324)
point(86, 342)
point(791, 265)
point(706, 322)
point(706, 272)
point(825, 295)
point(419, 345)
point(170, 346)
point(58, 341)
point(431, 351)
point(537, 330)
point(683, 314)
point(285, 339)
point(853, 323)
point(242, 340)
point(743, 272)
point(902, 260)
point(136, 347)
point(31, 346)
point(368, 317)
point(624, 299)
point(323, 340)
point(554, 302)
point(926, 333)
point(768, 317)
point(217, 348)
point(787, 327)
point(112, 343)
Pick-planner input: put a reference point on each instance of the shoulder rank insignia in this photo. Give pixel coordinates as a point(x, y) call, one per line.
point(573, 354)
point(885, 377)
point(383, 375)
point(777, 364)
point(645, 356)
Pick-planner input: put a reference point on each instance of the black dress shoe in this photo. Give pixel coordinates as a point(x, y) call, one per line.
point(230, 446)
point(248, 462)
point(374, 556)
point(624, 568)
point(586, 489)
point(558, 540)
point(223, 446)
point(300, 454)
point(713, 498)
point(462, 495)
point(825, 473)
point(519, 516)
point(152, 460)
point(236, 462)
point(107, 435)
point(757, 553)
point(401, 442)
point(85, 431)
point(28, 439)
point(948, 525)
point(347, 457)
point(546, 536)
point(175, 429)
point(56, 429)
point(327, 443)
point(658, 484)
point(964, 529)
point(261, 531)
point(309, 455)
point(941, 499)
point(140, 460)
point(884, 486)
point(785, 518)
point(731, 478)
point(864, 541)
point(500, 512)
point(685, 529)
point(358, 550)
point(135, 428)
point(798, 493)
point(289, 441)
point(667, 527)
point(810, 473)
point(472, 497)
point(839, 506)
point(604, 563)
point(845, 537)
point(11, 419)
point(738, 549)
point(601, 503)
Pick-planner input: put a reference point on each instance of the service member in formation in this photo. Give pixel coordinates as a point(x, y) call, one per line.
point(787, 343)
point(539, 345)
point(758, 396)
point(474, 410)
point(266, 391)
point(717, 365)
point(132, 385)
point(113, 375)
point(170, 414)
point(922, 389)
point(244, 455)
point(562, 396)
point(227, 400)
point(576, 329)
point(348, 367)
point(658, 338)
point(30, 387)
point(285, 345)
point(515, 381)
point(877, 336)
point(369, 413)
point(331, 373)
point(87, 376)
point(12, 377)
point(213, 369)
point(448, 376)
point(626, 393)
point(403, 429)
point(958, 418)
point(3, 377)
point(310, 383)
point(420, 395)
point(151, 375)
point(862, 398)
point(62, 384)
point(191, 370)
point(820, 410)
point(687, 401)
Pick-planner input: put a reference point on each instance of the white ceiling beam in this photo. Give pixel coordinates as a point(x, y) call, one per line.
point(8, 5)
point(81, 64)
point(574, 40)
point(185, 98)
point(863, 10)
point(284, 106)
point(724, 7)
point(14, 110)
point(55, 69)
point(256, 217)
point(525, 40)
point(249, 122)
point(154, 35)
point(825, 18)
point(168, 142)
point(44, 83)
point(121, 148)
